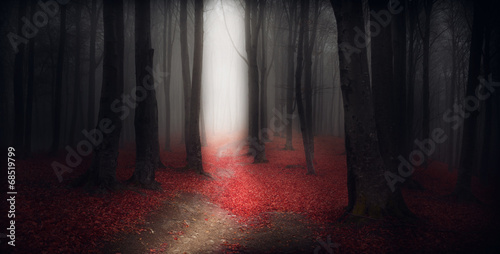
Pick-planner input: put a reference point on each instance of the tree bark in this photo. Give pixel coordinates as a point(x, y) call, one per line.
point(77, 84)
point(146, 112)
point(368, 191)
point(304, 121)
point(194, 149)
point(168, 40)
point(19, 107)
point(30, 91)
point(467, 161)
point(94, 19)
point(186, 73)
point(263, 76)
point(56, 121)
point(253, 20)
point(102, 173)
point(292, 35)
point(426, 121)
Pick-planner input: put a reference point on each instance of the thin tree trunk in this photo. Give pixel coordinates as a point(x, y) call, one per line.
point(292, 31)
point(304, 126)
point(309, 42)
point(57, 120)
point(77, 84)
point(19, 107)
point(94, 18)
point(30, 91)
point(168, 40)
point(194, 148)
point(186, 76)
point(411, 77)
point(263, 77)
point(426, 121)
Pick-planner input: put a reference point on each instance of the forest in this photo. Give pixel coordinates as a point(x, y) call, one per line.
point(250, 126)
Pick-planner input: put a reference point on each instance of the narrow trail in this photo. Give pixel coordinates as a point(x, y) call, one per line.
point(195, 222)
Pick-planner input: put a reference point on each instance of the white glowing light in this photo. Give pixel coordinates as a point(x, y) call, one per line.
point(225, 89)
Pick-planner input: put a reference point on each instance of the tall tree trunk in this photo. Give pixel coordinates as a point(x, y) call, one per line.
point(30, 90)
point(426, 121)
point(57, 120)
point(77, 84)
point(304, 121)
point(102, 173)
point(94, 18)
point(292, 31)
point(388, 97)
point(495, 100)
point(186, 76)
point(19, 107)
point(399, 93)
point(253, 20)
point(309, 43)
point(382, 88)
point(412, 15)
point(168, 43)
point(146, 112)
point(263, 77)
point(368, 192)
point(280, 77)
point(194, 148)
point(467, 161)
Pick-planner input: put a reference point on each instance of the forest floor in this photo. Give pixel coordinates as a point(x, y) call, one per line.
point(242, 208)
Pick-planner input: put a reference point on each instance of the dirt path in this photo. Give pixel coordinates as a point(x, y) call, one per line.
point(192, 224)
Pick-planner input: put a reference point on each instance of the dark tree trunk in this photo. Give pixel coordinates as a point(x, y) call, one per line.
point(146, 112)
point(309, 42)
point(382, 88)
point(412, 16)
point(30, 90)
point(56, 134)
point(102, 173)
point(426, 121)
point(387, 98)
point(369, 194)
point(485, 157)
point(467, 161)
point(263, 77)
point(252, 26)
point(94, 19)
point(495, 100)
point(77, 84)
point(292, 35)
point(399, 91)
point(194, 148)
point(304, 125)
point(168, 40)
point(186, 73)
point(19, 107)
